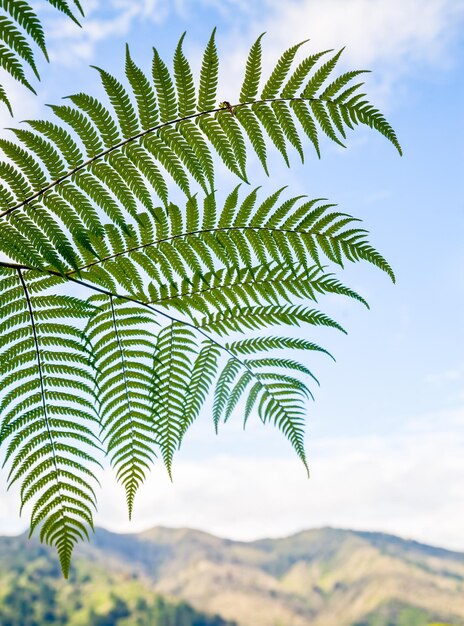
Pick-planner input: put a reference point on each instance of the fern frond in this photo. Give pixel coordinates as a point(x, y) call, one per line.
point(5, 100)
point(184, 82)
point(296, 79)
point(170, 283)
point(202, 375)
point(264, 344)
point(172, 375)
point(47, 419)
point(280, 398)
point(122, 105)
point(19, 27)
point(225, 289)
point(253, 129)
point(223, 389)
point(320, 76)
point(143, 92)
point(10, 63)
point(182, 148)
point(122, 338)
point(14, 39)
point(64, 7)
point(242, 319)
point(362, 112)
point(245, 234)
point(164, 89)
point(271, 125)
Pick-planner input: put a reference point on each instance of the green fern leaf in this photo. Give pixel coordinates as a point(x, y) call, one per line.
point(23, 14)
point(271, 124)
point(184, 82)
point(14, 39)
point(253, 130)
point(209, 76)
point(144, 162)
point(333, 89)
point(164, 89)
point(169, 160)
point(361, 112)
point(63, 6)
point(223, 387)
point(174, 287)
point(61, 139)
point(203, 372)
point(213, 131)
point(121, 102)
point(122, 340)
point(5, 100)
point(242, 319)
point(323, 119)
point(144, 94)
point(100, 116)
point(307, 122)
point(10, 63)
point(252, 77)
point(299, 75)
point(287, 124)
point(195, 139)
point(172, 373)
point(235, 137)
point(264, 344)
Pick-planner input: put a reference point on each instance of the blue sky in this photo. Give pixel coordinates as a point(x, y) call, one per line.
point(385, 435)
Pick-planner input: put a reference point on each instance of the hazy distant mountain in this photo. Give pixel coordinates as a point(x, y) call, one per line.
point(320, 577)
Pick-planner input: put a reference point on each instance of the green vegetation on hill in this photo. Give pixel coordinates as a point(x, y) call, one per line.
point(33, 593)
point(181, 577)
point(394, 614)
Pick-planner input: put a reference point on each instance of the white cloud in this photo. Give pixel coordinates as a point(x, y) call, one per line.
point(24, 104)
point(391, 36)
point(407, 483)
point(104, 19)
point(70, 45)
point(374, 31)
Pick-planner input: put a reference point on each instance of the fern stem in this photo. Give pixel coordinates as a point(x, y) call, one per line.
point(140, 135)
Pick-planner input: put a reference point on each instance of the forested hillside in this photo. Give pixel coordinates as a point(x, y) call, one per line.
point(33, 593)
point(323, 577)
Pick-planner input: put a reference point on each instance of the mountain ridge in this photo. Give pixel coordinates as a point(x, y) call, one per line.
point(377, 534)
point(315, 577)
